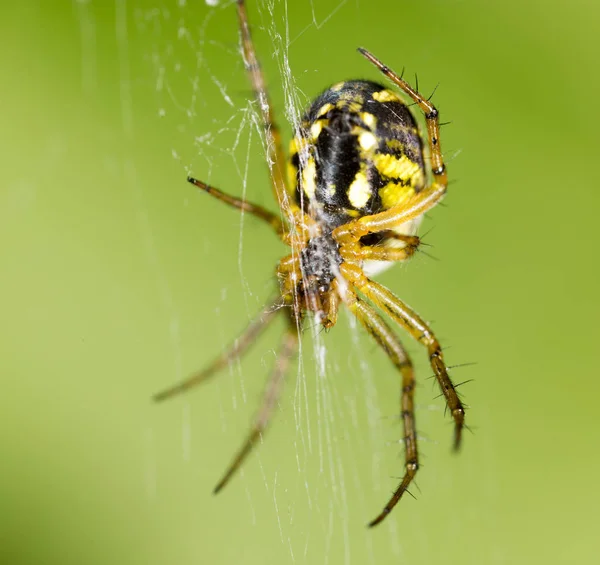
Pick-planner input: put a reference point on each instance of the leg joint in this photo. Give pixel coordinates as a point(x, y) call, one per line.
point(412, 466)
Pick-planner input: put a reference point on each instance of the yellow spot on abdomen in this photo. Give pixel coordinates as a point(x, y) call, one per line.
point(385, 96)
point(297, 145)
point(399, 168)
point(393, 194)
point(309, 176)
point(359, 192)
point(369, 119)
point(367, 140)
point(324, 109)
point(315, 129)
point(292, 176)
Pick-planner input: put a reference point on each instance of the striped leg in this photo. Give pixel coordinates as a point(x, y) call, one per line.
point(390, 343)
point(422, 201)
point(275, 155)
point(419, 330)
point(431, 115)
point(383, 253)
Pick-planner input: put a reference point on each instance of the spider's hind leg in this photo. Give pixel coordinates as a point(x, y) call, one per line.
point(236, 350)
point(287, 350)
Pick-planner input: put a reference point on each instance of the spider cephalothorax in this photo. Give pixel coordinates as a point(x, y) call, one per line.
point(356, 191)
point(320, 261)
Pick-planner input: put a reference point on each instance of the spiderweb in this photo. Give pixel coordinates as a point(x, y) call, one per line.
point(344, 434)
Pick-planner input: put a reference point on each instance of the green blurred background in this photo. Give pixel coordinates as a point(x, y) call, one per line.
point(119, 279)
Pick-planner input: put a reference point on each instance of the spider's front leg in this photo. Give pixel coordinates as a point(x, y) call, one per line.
point(407, 318)
point(348, 235)
point(420, 330)
point(422, 201)
point(390, 343)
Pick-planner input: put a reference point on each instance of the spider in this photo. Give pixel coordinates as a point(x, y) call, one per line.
point(356, 190)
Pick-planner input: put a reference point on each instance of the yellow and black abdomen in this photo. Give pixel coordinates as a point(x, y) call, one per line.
point(358, 152)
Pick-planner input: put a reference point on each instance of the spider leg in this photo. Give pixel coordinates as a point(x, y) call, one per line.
point(423, 200)
point(409, 240)
point(254, 209)
point(275, 155)
point(418, 205)
point(330, 309)
point(382, 253)
point(420, 331)
point(238, 348)
point(390, 343)
point(287, 350)
point(431, 115)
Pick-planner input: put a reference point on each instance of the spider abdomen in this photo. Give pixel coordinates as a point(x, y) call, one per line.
point(357, 152)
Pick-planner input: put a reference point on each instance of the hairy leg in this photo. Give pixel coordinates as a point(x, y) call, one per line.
point(417, 327)
point(386, 253)
point(423, 200)
point(420, 331)
point(390, 343)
